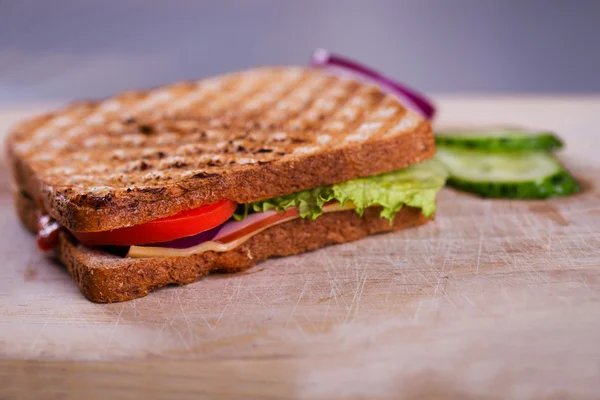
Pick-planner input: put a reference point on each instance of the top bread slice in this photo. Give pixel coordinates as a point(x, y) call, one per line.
point(245, 137)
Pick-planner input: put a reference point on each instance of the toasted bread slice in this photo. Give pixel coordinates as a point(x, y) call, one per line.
point(103, 277)
point(245, 137)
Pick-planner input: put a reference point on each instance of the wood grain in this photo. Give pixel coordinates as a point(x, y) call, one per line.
point(494, 299)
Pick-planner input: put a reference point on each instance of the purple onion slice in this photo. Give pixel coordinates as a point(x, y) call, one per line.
point(412, 99)
point(190, 241)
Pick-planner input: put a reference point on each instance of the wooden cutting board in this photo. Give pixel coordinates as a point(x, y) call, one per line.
point(497, 299)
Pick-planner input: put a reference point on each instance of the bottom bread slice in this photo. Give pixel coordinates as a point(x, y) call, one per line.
point(103, 277)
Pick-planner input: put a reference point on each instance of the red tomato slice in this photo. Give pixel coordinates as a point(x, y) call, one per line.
point(186, 223)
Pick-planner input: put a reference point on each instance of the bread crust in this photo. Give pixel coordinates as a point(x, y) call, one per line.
point(105, 278)
point(316, 152)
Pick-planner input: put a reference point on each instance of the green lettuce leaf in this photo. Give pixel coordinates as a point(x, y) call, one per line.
point(415, 186)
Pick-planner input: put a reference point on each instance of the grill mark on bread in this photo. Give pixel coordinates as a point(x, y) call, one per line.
point(146, 128)
point(47, 130)
point(178, 110)
point(138, 109)
point(230, 82)
point(221, 116)
point(354, 87)
point(356, 121)
point(136, 146)
point(409, 122)
point(251, 119)
point(392, 120)
point(375, 122)
point(306, 105)
point(29, 126)
point(303, 121)
point(257, 115)
point(295, 102)
point(24, 128)
point(234, 95)
point(141, 166)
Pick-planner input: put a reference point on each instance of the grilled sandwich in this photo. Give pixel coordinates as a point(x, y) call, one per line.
point(158, 187)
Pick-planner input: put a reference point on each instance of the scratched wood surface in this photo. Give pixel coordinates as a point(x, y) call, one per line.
point(495, 299)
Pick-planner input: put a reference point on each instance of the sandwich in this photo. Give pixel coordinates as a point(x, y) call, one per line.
point(157, 187)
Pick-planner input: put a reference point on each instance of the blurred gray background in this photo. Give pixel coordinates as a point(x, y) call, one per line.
point(82, 49)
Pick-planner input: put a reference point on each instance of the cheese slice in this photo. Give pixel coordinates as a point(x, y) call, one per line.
point(216, 246)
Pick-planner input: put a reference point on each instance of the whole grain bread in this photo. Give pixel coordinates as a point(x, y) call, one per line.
point(103, 277)
point(245, 136)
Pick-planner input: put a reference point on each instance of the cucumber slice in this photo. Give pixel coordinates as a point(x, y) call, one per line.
point(498, 139)
point(517, 175)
